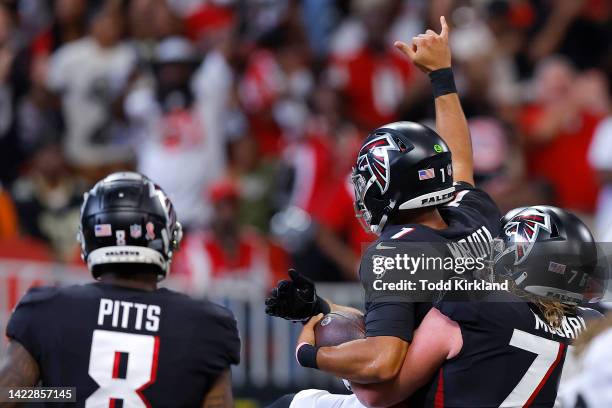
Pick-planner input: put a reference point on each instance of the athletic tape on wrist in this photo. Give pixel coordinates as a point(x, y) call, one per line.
point(306, 355)
point(442, 82)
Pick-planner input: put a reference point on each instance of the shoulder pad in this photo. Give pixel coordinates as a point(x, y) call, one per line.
point(219, 312)
point(39, 295)
point(588, 313)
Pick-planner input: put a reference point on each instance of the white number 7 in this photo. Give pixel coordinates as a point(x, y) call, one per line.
point(549, 354)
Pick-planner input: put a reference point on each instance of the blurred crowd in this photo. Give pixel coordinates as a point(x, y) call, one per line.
point(249, 114)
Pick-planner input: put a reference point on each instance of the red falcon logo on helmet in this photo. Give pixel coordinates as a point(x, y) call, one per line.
point(526, 226)
point(377, 162)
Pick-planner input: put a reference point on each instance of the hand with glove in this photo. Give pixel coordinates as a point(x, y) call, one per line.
point(295, 299)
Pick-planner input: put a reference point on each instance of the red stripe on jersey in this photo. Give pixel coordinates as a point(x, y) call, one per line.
point(439, 397)
point(116, 364)
point(111, 403)
point(548, 373)
point(153, 373)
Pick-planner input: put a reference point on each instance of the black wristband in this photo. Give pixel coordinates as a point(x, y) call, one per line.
point(442, 81)
point(321, 306)
point(306, 355)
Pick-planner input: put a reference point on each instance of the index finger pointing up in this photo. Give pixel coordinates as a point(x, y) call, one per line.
point(444, 32)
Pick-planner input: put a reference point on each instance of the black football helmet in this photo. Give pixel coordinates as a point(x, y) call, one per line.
point(400, 166)
point(125, 219)
point(547, 252)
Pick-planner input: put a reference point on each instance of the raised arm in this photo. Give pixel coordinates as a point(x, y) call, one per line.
point(430, 52)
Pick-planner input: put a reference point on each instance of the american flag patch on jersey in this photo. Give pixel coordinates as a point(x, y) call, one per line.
point(556, 267)
point(102, 230)
point(427, 174)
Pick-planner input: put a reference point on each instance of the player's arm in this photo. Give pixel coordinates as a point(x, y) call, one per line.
point(360, 360)
point(368, 360)
point(437, 339)
point(220, 395)
point(431, 53)
point(18, 368)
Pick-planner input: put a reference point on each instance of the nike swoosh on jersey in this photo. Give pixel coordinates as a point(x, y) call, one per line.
point(381, 246)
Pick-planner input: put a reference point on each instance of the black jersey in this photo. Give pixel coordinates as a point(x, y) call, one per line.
point(473, 220)
point(116, 344)
point(510, 356)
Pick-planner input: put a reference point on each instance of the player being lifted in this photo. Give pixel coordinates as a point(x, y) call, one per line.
point(123, 340)
point(407, 190)
point(550, 259)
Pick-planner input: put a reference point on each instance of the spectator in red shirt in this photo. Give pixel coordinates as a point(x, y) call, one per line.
point(227, 255)
point(372, 77)
point(339, 234)
point(557, 130)
point(8, 216)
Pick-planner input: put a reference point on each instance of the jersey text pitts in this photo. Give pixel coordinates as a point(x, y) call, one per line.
point(122, 314)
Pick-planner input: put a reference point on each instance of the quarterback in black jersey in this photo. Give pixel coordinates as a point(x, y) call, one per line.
point(121, 341)
point(550, 258)
point(409, 190)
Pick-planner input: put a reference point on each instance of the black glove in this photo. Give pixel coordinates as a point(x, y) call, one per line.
point(295, 299)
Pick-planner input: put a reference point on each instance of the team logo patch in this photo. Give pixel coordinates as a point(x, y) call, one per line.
point(374, 157)
point(427, 174)
point(135, 231)
point(527, 226)
point(103, 230)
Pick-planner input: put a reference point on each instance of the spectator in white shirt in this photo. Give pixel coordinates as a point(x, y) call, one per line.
point(90, 75)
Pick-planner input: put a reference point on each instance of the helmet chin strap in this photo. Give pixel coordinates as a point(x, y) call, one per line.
point(377, 229)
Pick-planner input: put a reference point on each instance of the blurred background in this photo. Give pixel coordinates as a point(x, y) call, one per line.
point(249, 113)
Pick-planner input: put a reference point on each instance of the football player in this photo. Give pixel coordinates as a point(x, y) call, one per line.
point(407, 190)
point(122, 340)
point(549, 258)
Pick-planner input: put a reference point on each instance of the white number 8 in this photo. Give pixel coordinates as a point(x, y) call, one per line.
point(142, 351)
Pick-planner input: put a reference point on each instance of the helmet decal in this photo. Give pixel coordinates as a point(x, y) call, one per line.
point(526, 227)
point(377, 163)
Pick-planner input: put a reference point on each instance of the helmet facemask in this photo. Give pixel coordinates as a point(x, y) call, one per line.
point(364, 215)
